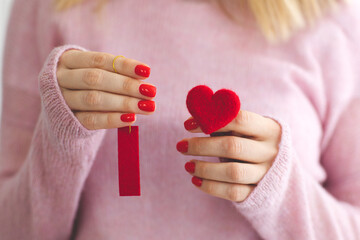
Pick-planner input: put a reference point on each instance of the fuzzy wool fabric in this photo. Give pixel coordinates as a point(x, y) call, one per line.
point(212, 111)
point(59, 180)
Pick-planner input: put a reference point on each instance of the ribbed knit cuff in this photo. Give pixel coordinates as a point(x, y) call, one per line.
point(59, 116)
point(272, 187)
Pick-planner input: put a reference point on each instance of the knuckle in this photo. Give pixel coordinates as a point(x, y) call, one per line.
point(92, 98)
point(210, 188)
point(127, 104)
point(98, 60)
point(202, 170)
point(235, 172)
point(243, 118)
point(196, 146)
point(232, 145)
point(109, 120)
point(125, 63)
point(90, 121)
point(59, 76)
point(60, 80)
point(273, 153)
point(234, 193)
point(93, 78)
point(64, 57)
point(126, 85)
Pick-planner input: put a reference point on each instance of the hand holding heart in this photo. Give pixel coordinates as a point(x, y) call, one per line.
point(247, 146)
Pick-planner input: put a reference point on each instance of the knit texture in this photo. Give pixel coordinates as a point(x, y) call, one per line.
point(59, 180)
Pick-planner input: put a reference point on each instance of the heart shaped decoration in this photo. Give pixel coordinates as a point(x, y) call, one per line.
point(212, 111)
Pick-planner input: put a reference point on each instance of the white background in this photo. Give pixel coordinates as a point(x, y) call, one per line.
point(5, 6)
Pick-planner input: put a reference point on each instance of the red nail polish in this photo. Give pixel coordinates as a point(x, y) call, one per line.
point(142, 70)
point(129, 117)
point(182, 146)
point(190, 124)
point(196, 181)
point(190, 167)
point(146, 105)
point(147, 90)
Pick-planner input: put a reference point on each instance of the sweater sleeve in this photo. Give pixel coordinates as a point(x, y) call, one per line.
point(288, 203)
point(46, 153)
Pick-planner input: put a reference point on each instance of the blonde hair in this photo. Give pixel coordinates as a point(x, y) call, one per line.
point(277, 19)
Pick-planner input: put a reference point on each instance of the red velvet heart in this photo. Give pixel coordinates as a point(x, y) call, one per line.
point(212, 111)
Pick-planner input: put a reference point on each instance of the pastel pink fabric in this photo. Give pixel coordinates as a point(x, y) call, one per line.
point(59, 180)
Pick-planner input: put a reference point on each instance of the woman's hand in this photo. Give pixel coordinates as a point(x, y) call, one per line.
point(247, 153)
point(99, 97)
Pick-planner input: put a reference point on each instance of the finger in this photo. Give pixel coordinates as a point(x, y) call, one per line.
point(232, 172)
point(87, 59)
point(229, 191)
point(228, 147)
point(98, 120)
point(93, 100)
point(97, 79)
point(192, 126)
point(245, 123)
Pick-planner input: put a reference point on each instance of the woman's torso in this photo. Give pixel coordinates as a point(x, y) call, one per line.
point(186, 43)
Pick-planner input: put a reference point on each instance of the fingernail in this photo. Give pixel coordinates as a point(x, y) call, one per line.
point(142, 70)
point(182, 146)
point(128, 117)
point(190, 167)
point(190, 124)
point(146, 105)
point(196, 181)
point(147, 90)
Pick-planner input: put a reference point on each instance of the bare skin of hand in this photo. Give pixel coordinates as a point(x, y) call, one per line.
point(99, 97)
point(246, 153)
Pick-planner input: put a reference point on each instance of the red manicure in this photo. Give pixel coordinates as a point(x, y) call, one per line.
point(190, 167)
point(147, 105)
point(190, 124)
point(147, 90)
point(142, 70)
point(129, 117)
point(182, 146)
point(196, 181)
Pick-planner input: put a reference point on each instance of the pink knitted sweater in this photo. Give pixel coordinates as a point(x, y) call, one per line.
point(59, 180)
